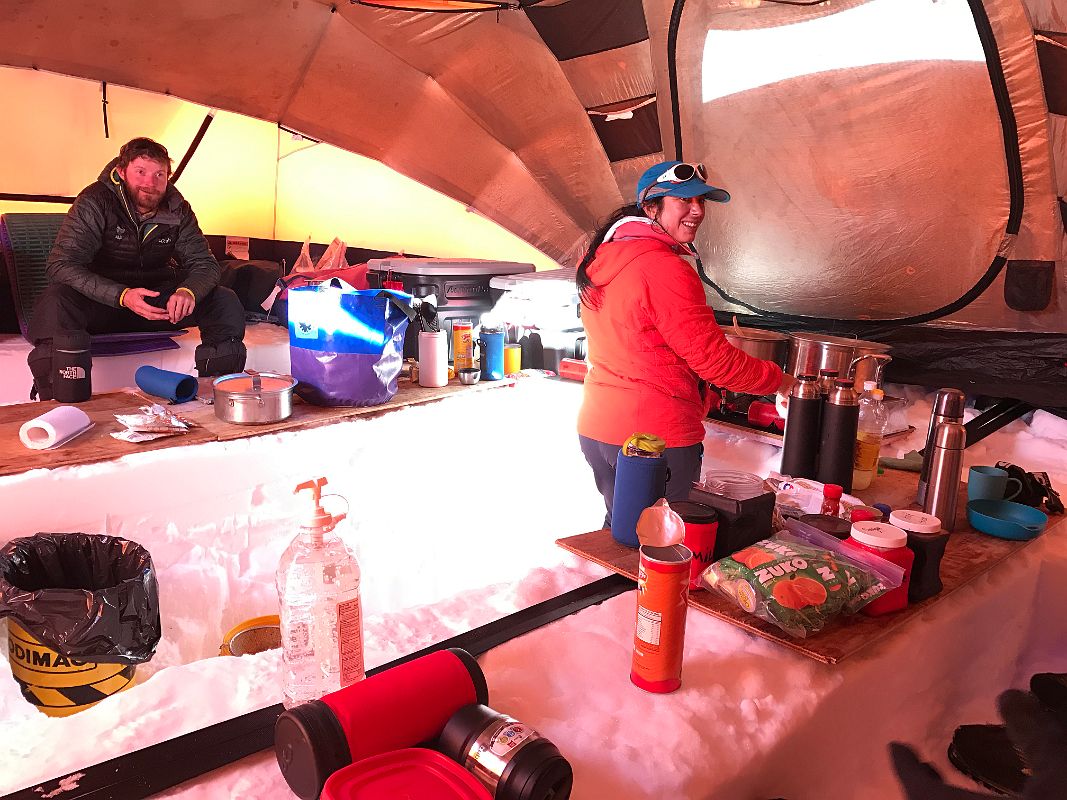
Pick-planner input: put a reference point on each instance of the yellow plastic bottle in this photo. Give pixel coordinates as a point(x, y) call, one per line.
point(872, 422)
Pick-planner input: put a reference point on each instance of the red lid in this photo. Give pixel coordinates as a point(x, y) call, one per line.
point(415, 772)
point(832, 490)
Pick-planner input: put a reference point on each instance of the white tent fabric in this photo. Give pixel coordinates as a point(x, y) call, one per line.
point(861, 190)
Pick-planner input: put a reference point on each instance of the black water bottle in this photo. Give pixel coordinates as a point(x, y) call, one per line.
point(72, 366)
point(800, 442)
point(837, 440)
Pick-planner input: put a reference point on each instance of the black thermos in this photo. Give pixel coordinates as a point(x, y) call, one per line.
point(837, 439)
point(800, 442)
point(72, 366)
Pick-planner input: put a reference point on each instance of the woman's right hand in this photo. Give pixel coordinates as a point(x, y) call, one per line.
point(781, 397)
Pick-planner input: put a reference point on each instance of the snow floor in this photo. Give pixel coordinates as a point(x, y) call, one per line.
point(455, 507)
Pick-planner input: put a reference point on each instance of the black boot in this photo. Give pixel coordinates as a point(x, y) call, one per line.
point(986, 754)
point(40, 363)
point(221, 358)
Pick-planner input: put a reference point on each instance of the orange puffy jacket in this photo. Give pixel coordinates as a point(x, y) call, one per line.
point(651, 338)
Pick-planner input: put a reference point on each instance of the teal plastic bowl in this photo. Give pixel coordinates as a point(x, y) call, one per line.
point(1005, 519)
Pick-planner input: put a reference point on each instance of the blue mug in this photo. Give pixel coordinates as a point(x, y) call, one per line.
point(991, 483)
point(491, 342)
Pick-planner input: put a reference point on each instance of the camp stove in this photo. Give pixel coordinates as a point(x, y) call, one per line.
point(758, 413)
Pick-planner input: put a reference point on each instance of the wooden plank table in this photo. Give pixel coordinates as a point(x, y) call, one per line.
point(97, 444)
point(968, 555)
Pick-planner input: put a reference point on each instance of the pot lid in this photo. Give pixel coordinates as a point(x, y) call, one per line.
point(242, 383)
point(756, 333)
point(841, 341)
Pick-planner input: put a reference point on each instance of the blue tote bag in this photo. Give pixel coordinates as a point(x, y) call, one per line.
point(347, 345)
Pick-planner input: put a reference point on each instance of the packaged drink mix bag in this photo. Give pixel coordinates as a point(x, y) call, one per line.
point(800, 579)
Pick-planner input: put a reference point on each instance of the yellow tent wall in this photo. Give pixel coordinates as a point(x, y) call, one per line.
point(247, 178)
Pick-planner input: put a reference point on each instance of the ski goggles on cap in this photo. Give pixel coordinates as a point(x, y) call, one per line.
point(679, 179)
point(680, 173)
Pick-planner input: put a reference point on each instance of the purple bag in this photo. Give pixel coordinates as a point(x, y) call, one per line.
point(347, 345)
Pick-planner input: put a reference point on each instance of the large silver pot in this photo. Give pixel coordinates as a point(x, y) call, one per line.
point(759, 343)
point(253, 398)
point(858, 359)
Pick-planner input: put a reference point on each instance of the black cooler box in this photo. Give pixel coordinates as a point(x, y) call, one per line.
point(460, 287)
point(741, 522)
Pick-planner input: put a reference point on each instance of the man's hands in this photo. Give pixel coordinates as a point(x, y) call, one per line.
point(134, 300)
point(179, 305)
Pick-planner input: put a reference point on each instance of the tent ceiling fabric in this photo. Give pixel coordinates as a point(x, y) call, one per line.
point(839, 171)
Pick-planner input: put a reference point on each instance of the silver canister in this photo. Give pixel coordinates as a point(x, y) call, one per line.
point(946, 463)
point(948, 407)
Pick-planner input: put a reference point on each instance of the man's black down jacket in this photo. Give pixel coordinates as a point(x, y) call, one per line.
point(102, 248)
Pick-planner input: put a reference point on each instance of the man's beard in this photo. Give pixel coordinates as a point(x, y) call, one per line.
point(146, 201)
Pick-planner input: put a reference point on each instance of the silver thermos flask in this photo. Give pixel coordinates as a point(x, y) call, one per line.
point(948, 407)
point(946, 463)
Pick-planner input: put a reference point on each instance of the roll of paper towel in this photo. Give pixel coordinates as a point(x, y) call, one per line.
point(59, 425)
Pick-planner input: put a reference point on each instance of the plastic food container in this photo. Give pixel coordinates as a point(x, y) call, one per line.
point(891, 543)
point(414, 772)
point(915, 521)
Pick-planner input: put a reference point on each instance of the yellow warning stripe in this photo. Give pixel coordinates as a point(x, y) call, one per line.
point(114, 684)
point(48, 698)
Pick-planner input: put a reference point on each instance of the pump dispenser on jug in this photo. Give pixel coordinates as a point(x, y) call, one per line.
point(321, 619)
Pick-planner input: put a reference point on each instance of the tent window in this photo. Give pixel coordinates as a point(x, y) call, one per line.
point(1052, 55)
point(628, 129)
point(590, 26)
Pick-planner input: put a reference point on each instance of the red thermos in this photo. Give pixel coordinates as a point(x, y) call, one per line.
point(398, 708)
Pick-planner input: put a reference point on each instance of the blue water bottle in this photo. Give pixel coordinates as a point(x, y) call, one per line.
point(639, 482)
point(491, 342)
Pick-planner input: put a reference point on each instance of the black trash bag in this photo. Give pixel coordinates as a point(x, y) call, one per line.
point(90, 597)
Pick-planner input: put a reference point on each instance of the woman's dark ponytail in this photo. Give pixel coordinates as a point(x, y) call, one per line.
point(587, 290)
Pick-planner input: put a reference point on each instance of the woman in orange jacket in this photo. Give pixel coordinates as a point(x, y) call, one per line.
point(653, 341)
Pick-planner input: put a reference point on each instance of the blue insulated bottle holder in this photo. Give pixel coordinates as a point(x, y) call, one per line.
point(639, 483)
point(173, 386)
point(491, 342)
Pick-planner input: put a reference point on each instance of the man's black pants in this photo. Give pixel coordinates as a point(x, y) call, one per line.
point(220, 317)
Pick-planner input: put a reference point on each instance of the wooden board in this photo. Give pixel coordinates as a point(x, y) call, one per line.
point(306, 415)
point(969, 554)
point(94, 445)
point(97, 444)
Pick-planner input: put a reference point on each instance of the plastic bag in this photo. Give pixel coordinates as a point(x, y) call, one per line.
point(346, 346)
point(303, 261)
point(801, 578)
point(88, 596)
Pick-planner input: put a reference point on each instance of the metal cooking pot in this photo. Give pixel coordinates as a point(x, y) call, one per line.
point(768, 345)
point(253, 398)
point(858, 359)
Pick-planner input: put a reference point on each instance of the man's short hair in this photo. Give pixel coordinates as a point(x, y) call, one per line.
point(143, 146)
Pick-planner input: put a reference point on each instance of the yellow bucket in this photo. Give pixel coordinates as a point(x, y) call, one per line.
point(252, 636)
point(57, 685)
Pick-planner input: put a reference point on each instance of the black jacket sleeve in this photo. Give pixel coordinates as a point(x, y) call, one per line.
point(194, 257)
point(76, 245)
